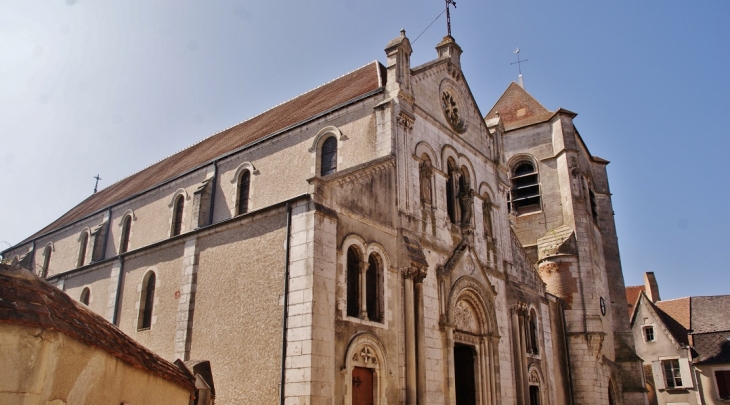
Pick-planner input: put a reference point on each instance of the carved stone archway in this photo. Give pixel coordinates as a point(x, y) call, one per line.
point(471, 320)
point(366, 351)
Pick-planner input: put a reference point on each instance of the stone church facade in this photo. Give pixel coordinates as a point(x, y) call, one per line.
point(377, 240)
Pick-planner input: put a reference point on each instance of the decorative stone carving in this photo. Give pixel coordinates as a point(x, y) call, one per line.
point(466, 199)
point(464, 318)
point(451, 108)
point(367, 356)
point(425, 172)
point(487, 217)
point(534, 379)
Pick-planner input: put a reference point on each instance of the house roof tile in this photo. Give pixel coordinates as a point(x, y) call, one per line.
point(26, 299)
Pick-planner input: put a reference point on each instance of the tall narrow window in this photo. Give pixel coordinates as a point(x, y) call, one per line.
point(126, 228)
point(452, 192)
point(372, 283)
point(328, 163)
point(46, 261)
point(594, 206)
point(353, 282)
point(244, 184)
point(85, 296)
point(533, 333)
point(146, 301)
point(525, 194)
point(177, 216)
point(82, 249)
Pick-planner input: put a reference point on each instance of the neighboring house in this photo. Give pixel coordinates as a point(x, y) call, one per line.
point(685, 346)
point(377, 240)
point(53, 350)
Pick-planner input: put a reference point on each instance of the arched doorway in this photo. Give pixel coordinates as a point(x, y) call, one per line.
point(472, 344)
point(365, 371)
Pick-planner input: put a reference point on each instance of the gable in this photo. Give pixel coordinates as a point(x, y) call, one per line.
point(430, 82)
point(517, 108)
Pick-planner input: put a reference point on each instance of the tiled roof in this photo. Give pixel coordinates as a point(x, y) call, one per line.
point(675, 315)
point(710, 314)
point(712, 347)
point(632, 294)
point(25, 299)
point(326, 97)
point(518, 108)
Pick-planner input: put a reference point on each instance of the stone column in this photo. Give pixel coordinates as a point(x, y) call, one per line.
point(408, 308)
point(484, 365)
point(420, 339)
point(363, 290)
point(451, 388)
point(517, 356)
point(523, 385)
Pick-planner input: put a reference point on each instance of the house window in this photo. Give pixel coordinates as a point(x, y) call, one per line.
point(82, 249)
point(126, 228)
point(146, 301)
point(372, 290)
point(525, 193)
point(353, 282)
point(85, 296)
point(672, 374)
point(46, 261)
point(648, 333)
point(177, 216)
point(722, 377)
point(244, 184)
point(328, 163)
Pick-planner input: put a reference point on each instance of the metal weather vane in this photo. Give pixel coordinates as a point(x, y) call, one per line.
point(448, 15)
point(519, 62)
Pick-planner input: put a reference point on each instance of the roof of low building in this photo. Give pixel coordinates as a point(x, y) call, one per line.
point(710, 314)
point(286, 115)
point(675, 316)
point(712, 348)
point(26, 299)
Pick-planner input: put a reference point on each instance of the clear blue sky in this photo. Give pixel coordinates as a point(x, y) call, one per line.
point(106, 87)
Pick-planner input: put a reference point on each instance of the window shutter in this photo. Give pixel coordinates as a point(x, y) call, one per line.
point(656, 368)
point(685, 371)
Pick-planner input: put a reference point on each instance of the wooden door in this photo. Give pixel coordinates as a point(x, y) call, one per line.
point(362, 386)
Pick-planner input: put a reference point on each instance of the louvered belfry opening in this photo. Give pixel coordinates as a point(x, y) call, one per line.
point(525, 194)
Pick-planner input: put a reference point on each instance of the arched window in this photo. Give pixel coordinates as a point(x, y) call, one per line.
point(82, 249)
point(146, 301)
point(177, 215)
point(525, 194)
point(85, 296)
point(372, 288)
point(328, 163)
point(126, 228)
point(46, 261)
point(353, 282)
point(244, 184)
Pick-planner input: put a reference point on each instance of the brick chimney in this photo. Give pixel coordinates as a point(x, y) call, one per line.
point(651, 286)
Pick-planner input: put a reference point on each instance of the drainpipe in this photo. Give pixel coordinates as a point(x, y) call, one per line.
point(212, 192)
point(115, 316)
point(286, 304)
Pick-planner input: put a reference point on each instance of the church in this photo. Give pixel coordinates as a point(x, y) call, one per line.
point(376, 240)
